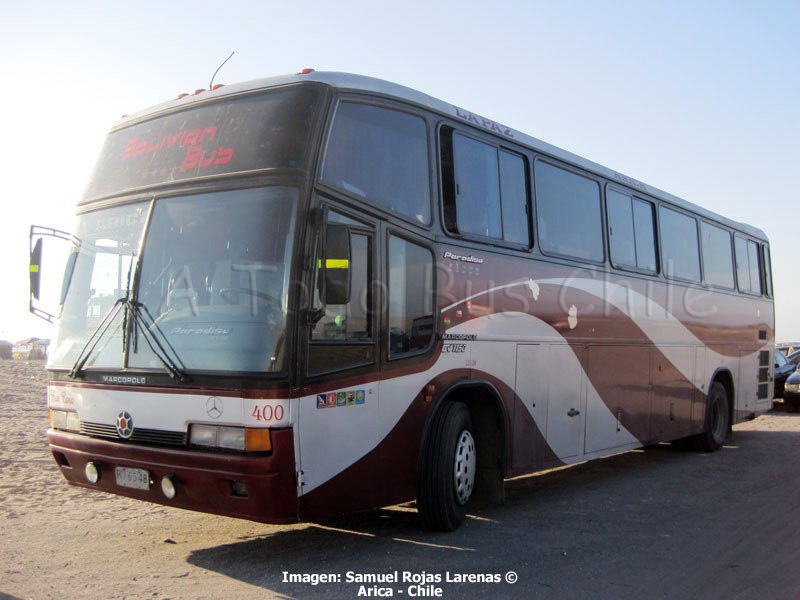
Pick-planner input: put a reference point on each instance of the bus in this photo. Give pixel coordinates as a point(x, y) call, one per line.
point(310, 295)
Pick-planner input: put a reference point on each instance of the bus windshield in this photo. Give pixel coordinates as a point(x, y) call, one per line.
point(214, 278)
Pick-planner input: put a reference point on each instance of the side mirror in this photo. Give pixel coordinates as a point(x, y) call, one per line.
point(35, 269)
point(334, 265)
point(59, 250)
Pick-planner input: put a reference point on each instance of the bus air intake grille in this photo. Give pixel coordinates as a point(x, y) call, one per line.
point(143, 436)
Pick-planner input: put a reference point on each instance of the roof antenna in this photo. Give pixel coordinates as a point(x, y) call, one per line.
point(210, 85)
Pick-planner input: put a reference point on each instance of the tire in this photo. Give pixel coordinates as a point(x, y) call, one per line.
point(792, 405)
point(718, 420)
point(447, 473)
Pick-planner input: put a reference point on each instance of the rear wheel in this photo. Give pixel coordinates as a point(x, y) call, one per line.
point(718, 421)
point(447, 473)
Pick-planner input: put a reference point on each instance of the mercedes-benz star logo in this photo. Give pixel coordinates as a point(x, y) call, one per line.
point(214, 407)
point(124, 425)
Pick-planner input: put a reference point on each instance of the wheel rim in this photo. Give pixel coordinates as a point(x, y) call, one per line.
point(719, 423)
point(464, 467)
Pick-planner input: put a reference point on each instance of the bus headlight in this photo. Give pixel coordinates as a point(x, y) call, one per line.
point(231, 437)
point(65, 420)
point(244, 439)
point(73, 422)
point(203, 435)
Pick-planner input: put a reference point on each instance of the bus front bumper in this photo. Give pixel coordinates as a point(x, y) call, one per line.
point(204, 481)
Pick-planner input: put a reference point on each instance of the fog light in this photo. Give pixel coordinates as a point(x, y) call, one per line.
point(240, 489)
point(168, 486)
point(92, 472)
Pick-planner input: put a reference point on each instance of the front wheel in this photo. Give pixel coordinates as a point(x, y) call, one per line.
point(717, 420)
point(447, 472)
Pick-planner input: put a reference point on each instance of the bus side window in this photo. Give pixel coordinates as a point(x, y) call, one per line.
point(679, 245)
point(748, 265)
point(631, 231)
point(717, 256)
point(568, 214)
point(485, 189)
point(380, 155)
point(410, 297)
point(767, 271)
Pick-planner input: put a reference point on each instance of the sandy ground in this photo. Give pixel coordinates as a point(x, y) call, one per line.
point(655, 523)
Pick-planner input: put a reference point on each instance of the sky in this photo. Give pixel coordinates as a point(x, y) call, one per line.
point(700, 99)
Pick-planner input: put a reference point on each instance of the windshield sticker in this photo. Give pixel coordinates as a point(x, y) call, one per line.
point(200, 331)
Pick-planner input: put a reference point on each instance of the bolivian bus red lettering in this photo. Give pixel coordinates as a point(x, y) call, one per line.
point(136, 147)
point(196, 157)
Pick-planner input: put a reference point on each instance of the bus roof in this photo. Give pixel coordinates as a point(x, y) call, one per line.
point(361, 83)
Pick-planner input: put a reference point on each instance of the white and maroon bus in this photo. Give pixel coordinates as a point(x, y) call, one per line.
point(316, 294)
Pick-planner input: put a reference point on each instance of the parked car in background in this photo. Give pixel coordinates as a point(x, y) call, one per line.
point(791, 392)
point(794, 357)
point(782, 369)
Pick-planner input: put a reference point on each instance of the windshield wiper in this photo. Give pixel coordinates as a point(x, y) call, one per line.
point(141, 315)
point(96, 336)
point(135, 311)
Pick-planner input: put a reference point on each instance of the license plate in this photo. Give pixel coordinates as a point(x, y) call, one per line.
point(138, 479)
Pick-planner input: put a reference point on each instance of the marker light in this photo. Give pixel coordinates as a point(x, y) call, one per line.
point(216, 86)
point(257, 440)
point(306, 71)
point(200, 91)
point(92, 472)
point(182, 96)
point(168, 486)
